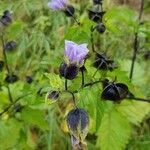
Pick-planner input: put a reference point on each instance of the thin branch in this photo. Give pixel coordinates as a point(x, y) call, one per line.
point(4, 54)
point(9, 94)
point(73, 97)
point(136, 42)
point(139, 99)
point(82, 73)
point(92, 83)
point(8, 107)
point(75, 19)
point(141, 10)
point(7, 67)
point(92, 39)
point(135, 49)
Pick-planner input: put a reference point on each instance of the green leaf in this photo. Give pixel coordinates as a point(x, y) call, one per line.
point(134, 111)
point(9, 133)
point(15, 30)
point(114, 131)
point(55, 80)
point(35, 117)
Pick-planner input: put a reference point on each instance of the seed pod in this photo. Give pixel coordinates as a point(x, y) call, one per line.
point(10, 46)
point(11, 78)
point(52, 97)
point(96, 16)
point(78, 121)
point(96, 2)
point(100, 28)
point(115, 92)
point(1, 65)
point(103, 63)
point(68, 71)
point(69, 11)
point(6, 19)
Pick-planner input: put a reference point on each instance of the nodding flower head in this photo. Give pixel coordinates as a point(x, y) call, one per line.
point(78, 121)
point(75, 53)
point(57, 4)
point(6, 19)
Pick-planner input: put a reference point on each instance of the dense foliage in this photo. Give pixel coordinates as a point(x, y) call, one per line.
point(34, 100)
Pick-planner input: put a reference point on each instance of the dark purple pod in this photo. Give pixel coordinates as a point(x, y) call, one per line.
point(115, 92)
point(78, 121)
point(29, 79)
point(103, 63)
point(10, 46)
point(68, 71)
point(100, 28)
point(11, 78)
point(69, 11)
point(53, 95)
point(96, 16)
point(6, 19)
point(96, 2)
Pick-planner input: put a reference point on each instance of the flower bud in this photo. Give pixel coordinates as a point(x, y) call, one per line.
point(6, 19)
point(115, 92)
point(10, 46)
point(69, 11)
point(78, 121)
point(68, 71)
point(96, 16)
point(96, 2)
point(103, 63)
point(11, 78)
point(29, 79)
point(100, 28)
point(52, 97)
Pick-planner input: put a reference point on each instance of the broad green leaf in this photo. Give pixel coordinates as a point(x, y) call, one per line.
point(134, 111)
point(55, 80)
point(114, 131)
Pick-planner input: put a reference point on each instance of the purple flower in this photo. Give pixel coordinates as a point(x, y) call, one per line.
point(75, 53)
point(57, 4)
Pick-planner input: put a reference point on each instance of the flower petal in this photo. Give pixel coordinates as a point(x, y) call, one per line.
point(57, 4)
point(74, 52)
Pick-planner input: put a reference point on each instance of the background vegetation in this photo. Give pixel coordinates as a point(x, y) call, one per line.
point(29, 122)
